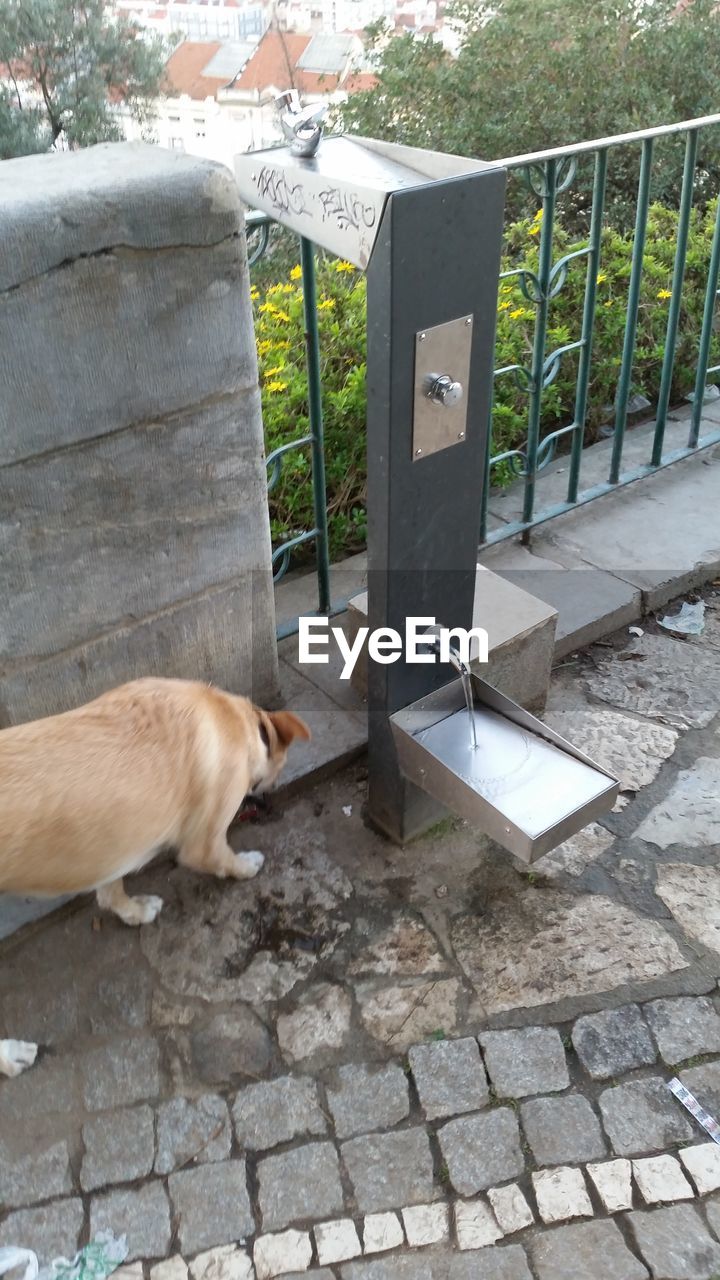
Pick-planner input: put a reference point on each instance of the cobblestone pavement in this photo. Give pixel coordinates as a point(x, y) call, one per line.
point(382, 1064)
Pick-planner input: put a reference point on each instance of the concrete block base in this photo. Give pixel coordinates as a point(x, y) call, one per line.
point(521, 635)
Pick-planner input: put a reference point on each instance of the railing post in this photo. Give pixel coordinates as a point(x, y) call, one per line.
point(623, 391)
point(706, 333)
point(312, 347)
point(588, 323)
point(541, 321)
point(686, 197)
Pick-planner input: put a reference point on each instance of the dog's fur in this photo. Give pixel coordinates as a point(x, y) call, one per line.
point(91, 795)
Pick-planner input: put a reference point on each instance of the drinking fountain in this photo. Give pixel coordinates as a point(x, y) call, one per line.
point(426, 227)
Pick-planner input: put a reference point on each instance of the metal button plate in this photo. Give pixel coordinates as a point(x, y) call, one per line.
point(441, 351)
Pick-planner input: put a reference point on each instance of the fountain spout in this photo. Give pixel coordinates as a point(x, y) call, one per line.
point(431, 640)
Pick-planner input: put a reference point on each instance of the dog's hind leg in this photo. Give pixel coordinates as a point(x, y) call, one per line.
point(15, 1056)
point(140, 910)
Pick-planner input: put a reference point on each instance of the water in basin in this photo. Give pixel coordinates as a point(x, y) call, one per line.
point(534, 784)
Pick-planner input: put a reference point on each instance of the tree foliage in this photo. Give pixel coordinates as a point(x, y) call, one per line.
point(547, 73)
point(64, 67)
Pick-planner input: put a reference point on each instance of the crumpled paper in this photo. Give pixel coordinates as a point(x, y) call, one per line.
point(690, 621)
point(96, 1261)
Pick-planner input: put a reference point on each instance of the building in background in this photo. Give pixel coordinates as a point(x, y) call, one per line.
point(224, 20)
point(219, 97)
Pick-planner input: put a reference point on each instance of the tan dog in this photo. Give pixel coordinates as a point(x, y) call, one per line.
point(91, 795)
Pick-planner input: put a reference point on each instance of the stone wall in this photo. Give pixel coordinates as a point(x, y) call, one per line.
point(134, 534)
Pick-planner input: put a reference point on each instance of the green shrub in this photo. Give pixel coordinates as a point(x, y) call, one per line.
point(341, 313)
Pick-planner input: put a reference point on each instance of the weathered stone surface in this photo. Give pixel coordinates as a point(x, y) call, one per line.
point(143, 1216)
point(712, 1210)
point(212, 1205)
point(124, 478)
point(688, 814)
point(441, 1263)
point(684, 1027)
point(531, 1060)
point(319, 1024)
point(390, 1170)
point(381, 1231)
point(481, 1151)
point(561, 1193)
point(661, 1180)
point(675, 1243)
point(136, 210)
point(175, 1268)
point(39, 1104)
point(664, 686)
point(574, 855)
point(475, 1225)
point(405, 949)
point(366, 1098)
point(202, 962)
point(584, 1251)
point(192, 1132)
point(267, 979)
point(643, 1116)
point(337, 1241)
point(400, 1016)
point(704, 1083)
point(540, 946)
point(702, 1162)
point(269, 1113)
point(43, 1021)
point(225, 1263)
point(425, 1224)
point(51, 1231)
point(26, 1179)
point(449, 1077)
point(510, 1207)
point(299, 1184)
point(613, 1042)
point(121, 1073)
point(273, 1255)
point(120, 1000)
point(231, 1044)
point(604, 735)
point(613, 1180)
point(118, 1148)
point(562, 1130)
point(692, 894)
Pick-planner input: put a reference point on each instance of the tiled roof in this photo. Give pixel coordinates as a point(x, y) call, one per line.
point(185, 70)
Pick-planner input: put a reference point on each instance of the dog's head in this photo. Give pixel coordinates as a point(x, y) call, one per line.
point(277, 730)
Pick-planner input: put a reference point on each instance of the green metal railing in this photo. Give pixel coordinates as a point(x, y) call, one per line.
point(548, 175)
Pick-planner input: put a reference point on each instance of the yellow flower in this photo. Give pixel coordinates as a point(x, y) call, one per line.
point(296, 273)
point(665, 293)
point(279, 368)
point(264, 346)
point(268, 308)
point(506, 288)
point(327, 304)
point(344, 266)
point(609, 302)
point(280, 346)
point(600, 278)
point(539, 215)
point(504, 306)
point(519, 311)
point(282, 315)
point(254, 292)
point(276, 386)
point(535, 230)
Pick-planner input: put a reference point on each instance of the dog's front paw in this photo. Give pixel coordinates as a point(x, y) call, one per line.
point(142, 909)
point(15, 1056)
point(247, 865)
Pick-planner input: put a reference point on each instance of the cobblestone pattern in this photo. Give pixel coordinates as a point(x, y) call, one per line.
point(267, 1182)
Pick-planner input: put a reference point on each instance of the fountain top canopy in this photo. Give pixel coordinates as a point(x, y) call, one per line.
point(334, 191)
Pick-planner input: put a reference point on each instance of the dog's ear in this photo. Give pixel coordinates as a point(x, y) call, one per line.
point(288, 726)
